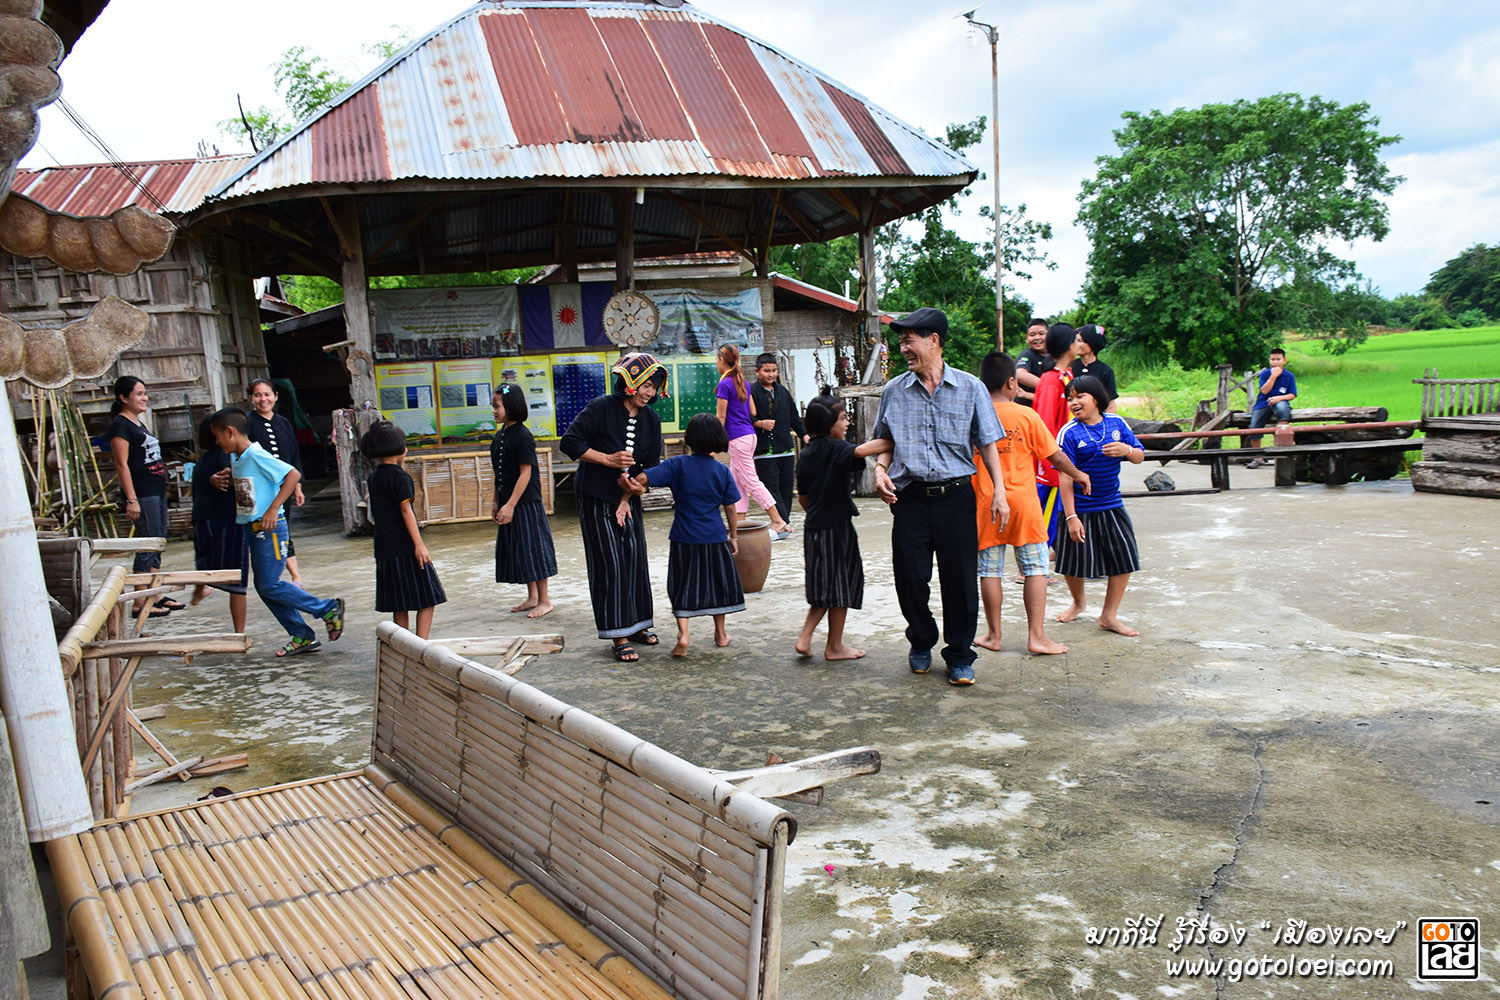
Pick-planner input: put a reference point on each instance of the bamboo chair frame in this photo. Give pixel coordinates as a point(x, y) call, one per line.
point(501, 842)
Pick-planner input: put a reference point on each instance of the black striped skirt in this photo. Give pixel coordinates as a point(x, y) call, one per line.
point(702, 580)
point(222, 545)
point(834, 573)
point(402, 585)
point(1108, 547)
point(523, 548)
point(619, 579)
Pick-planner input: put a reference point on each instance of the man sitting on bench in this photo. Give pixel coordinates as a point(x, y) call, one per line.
point(1278, 387)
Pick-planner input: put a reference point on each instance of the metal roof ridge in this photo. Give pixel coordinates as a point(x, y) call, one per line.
point(354, 88)
point(132, 163)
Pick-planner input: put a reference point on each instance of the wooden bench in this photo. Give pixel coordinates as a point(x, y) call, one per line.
point(500, 843)
point(1331, 457)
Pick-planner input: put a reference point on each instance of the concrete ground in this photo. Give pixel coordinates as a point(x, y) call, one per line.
point(1305, 731)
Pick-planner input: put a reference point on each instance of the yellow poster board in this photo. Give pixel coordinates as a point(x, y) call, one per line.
point(463, 389)
point(408, 397)
point(533, 373)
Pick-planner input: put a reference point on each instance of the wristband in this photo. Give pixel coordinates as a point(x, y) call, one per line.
point(1072, 517)
point(129, 502)
point(883, 468)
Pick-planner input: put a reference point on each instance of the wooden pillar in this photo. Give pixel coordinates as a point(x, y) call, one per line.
point(867, 353)
point(1221, 397)
point(624, 240)
point(356, 284)
point(567, 241)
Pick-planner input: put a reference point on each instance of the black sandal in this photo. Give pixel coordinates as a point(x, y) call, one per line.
point(625, 652)
point(169, 604)
point(646, 637)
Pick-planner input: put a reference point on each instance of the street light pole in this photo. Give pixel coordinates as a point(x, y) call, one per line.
point(992, 33)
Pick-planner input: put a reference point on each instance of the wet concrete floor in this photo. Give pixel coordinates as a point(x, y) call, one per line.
point(1305, 731)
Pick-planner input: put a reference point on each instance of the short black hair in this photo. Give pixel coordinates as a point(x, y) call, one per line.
point(822, 413)
point(1088, 385)
point(382, 440)
point(706, 435)
point(766, 359)
point(1277, 350)
point(512, 401)
point(206, 441)
point(996, 369)
point(1060, 337)
point(1037, 321)
point(230, 416)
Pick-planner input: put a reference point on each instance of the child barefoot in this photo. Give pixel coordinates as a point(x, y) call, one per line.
point(1099, 540)
point(834, 574)
point(523, 540)
point(404, 577)
point(1026, 443)
point(701, 576)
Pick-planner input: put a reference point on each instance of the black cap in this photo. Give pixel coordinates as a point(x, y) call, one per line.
point(924, 320)
point(1093, 335)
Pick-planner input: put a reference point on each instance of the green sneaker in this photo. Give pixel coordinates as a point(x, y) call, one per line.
point(335, 619)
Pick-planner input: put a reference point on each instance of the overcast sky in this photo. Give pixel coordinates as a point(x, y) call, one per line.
point(155, 76)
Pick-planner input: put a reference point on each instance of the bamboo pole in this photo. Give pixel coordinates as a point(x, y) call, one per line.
point(100, 949)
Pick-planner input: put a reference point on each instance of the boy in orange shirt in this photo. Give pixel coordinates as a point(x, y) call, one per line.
point(1026, 442)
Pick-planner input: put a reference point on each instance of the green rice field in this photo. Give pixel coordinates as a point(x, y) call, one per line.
point(1376, 373)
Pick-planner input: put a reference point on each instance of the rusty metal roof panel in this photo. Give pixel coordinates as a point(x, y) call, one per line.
point(101, 188)
point(514, 89)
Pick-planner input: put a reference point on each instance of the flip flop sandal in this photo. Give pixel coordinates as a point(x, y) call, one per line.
point(158, 612)
point(335, 620)
point(646, 637)
point(170, 605)
point(625, 652)
point(298, 646)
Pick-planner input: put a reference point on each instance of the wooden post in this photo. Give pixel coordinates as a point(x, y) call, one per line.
point(869, 294)
point(1221, 397)
point(348, 426)
point(356, 305)
point(624, 240)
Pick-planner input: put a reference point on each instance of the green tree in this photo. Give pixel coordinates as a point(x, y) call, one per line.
point(1214, 228)
point(1469, 281)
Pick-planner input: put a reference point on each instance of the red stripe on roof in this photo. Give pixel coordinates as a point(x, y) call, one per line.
point(594, 98)
point(759, 96)
point(645, 80)
point(162, 181)
point(54, 189)
point(870, 135)
point(722, 124)
point(530, 98)
point(348, 143)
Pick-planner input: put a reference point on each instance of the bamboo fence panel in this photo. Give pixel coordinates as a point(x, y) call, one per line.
point(455, 487)
point(669, 864)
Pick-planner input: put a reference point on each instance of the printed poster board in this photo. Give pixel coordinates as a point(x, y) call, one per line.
point(408, 397)
point(434, 324)
point(694, 382)
point(577, 380)
point(697, 322)
point(463, 390)
point(534, 375)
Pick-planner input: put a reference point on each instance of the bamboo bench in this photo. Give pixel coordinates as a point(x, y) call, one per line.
point(500, 843)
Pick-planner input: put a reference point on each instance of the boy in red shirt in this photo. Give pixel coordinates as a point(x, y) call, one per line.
point(1027, 443)
point(1051, 404)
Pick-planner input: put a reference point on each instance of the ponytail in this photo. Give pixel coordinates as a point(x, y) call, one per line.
point(730, 355)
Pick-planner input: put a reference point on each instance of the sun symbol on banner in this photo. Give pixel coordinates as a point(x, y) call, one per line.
point(567, 316)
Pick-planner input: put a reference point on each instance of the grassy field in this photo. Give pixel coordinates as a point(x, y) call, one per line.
point(1376, 373)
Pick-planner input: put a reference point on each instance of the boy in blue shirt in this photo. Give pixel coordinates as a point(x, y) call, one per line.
point(1278, 387)
point(262, 483)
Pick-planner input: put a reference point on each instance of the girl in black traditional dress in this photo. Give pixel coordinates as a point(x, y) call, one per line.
point(523, 540)
point(404, 575)
point(614, 438)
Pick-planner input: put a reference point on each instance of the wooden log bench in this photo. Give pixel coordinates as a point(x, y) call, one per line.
point(1333, 459)
point(500, 843)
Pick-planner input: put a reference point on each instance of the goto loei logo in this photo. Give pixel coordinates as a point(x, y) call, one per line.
point(1448, 949)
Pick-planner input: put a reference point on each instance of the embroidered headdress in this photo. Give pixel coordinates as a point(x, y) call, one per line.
point(634, 370)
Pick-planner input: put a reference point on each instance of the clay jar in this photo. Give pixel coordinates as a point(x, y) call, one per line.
point(754, 558)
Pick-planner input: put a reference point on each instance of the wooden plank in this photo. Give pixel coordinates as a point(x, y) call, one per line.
point(212, 765)
point(174, 645)
point(1274, 451)
point(126, 546)
point(186, 577)
point(1457, 478)
point(798, 776)
point(496, 645)
point(153, 777)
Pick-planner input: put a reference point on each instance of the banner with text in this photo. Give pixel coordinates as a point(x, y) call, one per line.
point(422, 324)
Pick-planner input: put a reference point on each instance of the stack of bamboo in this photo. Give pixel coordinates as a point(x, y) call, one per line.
point(67, 486)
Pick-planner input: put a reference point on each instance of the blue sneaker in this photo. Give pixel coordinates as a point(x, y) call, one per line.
point(920, 660)
point(961, 674)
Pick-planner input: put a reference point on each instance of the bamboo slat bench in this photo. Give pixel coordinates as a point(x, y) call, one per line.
point(501, 843)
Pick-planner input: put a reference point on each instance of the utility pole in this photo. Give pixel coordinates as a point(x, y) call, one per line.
point(992, 33)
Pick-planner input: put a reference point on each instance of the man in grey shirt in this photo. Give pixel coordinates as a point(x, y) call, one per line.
point(936, 418)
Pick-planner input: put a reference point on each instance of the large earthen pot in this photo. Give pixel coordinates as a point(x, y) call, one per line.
point(754, 558)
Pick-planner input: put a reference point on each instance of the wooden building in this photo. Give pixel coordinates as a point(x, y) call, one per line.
point(205, 343)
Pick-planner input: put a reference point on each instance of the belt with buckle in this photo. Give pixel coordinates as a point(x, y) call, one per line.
point(938, 487)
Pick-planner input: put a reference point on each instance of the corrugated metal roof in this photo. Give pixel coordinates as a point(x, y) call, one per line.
point(101, 188)
point(514, 89)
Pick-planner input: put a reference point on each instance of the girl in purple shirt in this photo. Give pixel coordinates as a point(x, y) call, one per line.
point(734, 414)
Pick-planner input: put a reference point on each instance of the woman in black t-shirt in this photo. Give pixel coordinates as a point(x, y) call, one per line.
point(273, 432)
point(142, 474)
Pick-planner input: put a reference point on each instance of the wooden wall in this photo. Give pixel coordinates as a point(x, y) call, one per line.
point(204, 344)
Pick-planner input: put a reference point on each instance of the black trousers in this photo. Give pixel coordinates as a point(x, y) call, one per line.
point(944, 526)
point(779, 474)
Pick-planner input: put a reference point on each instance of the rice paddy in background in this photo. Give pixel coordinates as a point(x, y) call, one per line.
point(1376, 373)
